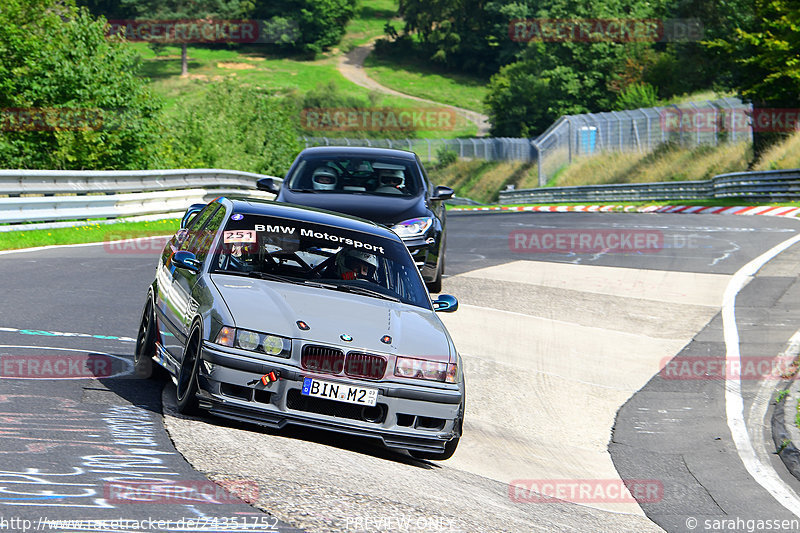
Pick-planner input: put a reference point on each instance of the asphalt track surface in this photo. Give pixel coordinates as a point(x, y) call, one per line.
point(77, 449)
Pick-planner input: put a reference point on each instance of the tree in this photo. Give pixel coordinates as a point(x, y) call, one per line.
point(236, 127)
point(56, 63)
point(321, 23)
point(578, 74)
point(466, 35)
point(169, 10)
point(767, 63)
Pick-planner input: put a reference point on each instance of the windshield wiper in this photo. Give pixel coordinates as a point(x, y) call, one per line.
point(271, 277)
point(320, 285)
point(355, 289)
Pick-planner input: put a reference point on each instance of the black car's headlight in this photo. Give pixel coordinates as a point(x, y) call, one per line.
point(254, 341)
point(414, 227)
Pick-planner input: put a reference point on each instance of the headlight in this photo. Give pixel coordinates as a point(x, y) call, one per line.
point(415, 227)
point(253, 341)
point(405, 367)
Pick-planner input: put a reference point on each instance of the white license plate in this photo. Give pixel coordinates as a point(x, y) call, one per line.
point(318, 388)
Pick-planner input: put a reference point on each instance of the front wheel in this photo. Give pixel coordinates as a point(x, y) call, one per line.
point(435, 286)
point(186, 391)
point(145, 343)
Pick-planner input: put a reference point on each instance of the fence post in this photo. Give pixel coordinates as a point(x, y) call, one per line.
point(539, 171)
point(569, 137)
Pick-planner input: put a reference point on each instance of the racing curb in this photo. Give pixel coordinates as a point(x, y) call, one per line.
point(785, 434)
point(768, 210)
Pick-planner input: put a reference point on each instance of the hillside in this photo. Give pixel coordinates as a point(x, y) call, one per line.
point(482, 180)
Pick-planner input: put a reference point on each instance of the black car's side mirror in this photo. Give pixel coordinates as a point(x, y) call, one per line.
point(445, 303)
point(191, 213)
point(186, 260)
point(442, 193)
point(269, 185)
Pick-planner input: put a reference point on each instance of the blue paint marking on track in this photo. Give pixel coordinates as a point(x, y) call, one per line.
point(63, 334)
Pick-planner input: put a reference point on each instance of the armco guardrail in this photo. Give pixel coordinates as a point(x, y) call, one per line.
point(770, 185)
point(52, 195)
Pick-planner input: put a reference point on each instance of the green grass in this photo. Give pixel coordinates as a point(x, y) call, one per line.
point(371, 16)
point(249, 65)
point(92, 232)
point(666, 163)
point(781, 394)
point(422, 80)
point(482, 180)
point(699, 96)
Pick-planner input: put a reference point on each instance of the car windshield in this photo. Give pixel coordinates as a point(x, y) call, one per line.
point(326, 257)
point(367, 175)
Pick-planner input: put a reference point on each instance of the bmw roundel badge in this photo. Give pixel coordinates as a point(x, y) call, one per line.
point(345, 337)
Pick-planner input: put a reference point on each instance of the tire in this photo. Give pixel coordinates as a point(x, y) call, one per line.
point(186, 390)
point(145, 343)
point(435, 286)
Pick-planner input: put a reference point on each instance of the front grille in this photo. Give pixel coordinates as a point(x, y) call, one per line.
point(364, 365)
point(298, 402)
point(322, 359)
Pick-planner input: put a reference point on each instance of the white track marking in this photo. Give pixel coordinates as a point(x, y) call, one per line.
point(760, 405)
point(79, 245)
point(762, 473)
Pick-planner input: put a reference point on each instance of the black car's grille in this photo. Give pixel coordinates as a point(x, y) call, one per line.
point(364, 365)
point(298, 402)
point(322, 359)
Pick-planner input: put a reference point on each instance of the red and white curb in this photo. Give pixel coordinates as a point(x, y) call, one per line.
point(768, 210)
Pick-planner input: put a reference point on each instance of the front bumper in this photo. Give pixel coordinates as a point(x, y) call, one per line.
point(425, 255)
point(404, 417)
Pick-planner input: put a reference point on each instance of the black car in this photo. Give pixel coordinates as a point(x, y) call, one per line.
point(386, 186)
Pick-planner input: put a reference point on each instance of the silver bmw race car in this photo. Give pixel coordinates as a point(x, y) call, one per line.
point(277, 314)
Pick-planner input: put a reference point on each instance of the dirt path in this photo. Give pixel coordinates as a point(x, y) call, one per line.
point(351, 65)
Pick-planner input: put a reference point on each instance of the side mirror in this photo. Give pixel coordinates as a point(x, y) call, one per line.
point(442, 193)
point(191, 213)
point(269, 185)
point(445, 303)
point(186, 260)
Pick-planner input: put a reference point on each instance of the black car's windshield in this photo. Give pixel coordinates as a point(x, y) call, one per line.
point(355, 174)
point(321, 256)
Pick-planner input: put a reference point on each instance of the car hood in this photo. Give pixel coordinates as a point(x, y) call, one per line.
point(377, 208)
point(275, 307)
